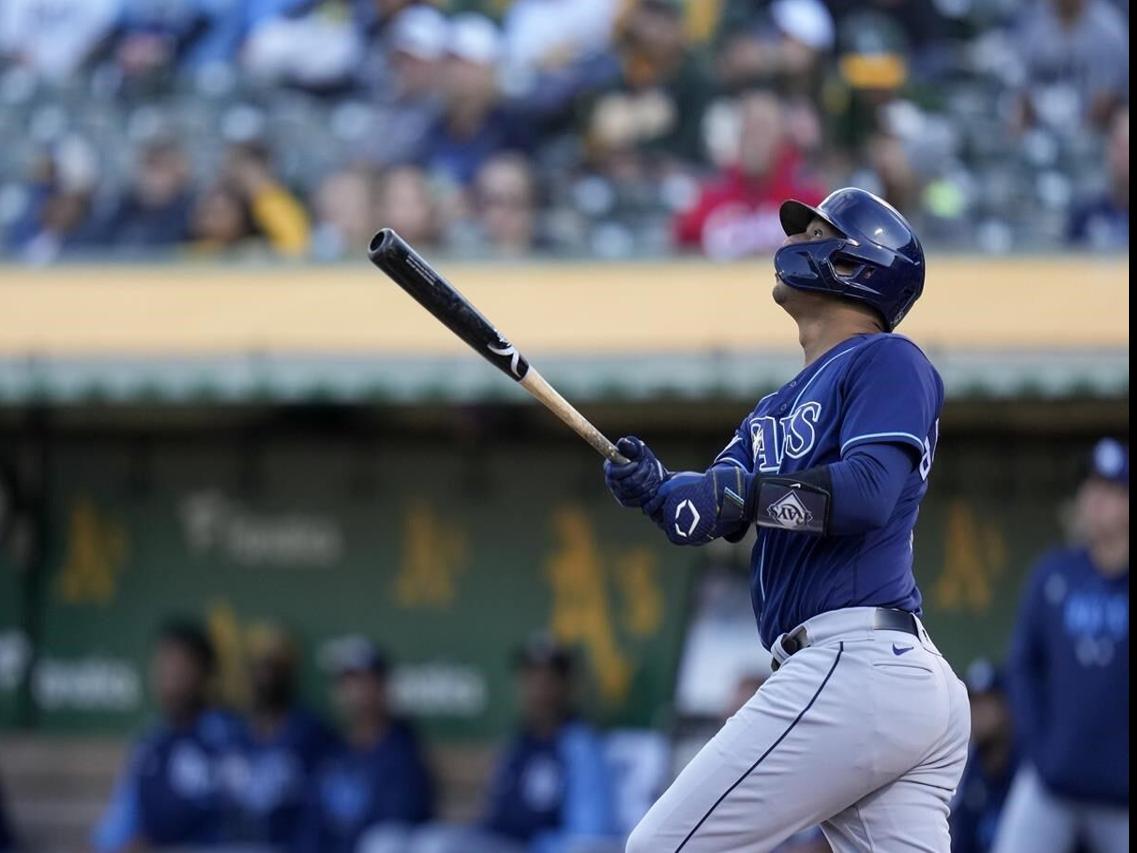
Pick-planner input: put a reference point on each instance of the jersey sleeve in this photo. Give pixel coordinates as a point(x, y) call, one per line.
point(737, 450)
point(892, 396)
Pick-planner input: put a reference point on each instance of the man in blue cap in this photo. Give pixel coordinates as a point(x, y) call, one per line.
point(1069, 679)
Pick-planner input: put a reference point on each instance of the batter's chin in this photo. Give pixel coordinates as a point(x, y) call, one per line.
point(781, 291)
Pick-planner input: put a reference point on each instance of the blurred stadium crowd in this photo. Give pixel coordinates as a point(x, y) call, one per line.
point(606, 128)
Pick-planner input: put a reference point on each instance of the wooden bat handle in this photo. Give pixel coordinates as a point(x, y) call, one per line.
point(548, 397)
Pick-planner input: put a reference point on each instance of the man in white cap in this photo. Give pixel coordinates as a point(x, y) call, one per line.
point(408, 77)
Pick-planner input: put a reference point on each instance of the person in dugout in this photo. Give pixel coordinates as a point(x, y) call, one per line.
point(280, 746)
point(170, 792)
point(1069, 679)
point(550, 789)
point(375, 785)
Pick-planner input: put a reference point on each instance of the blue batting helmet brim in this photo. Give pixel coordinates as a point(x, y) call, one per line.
point(796, 215)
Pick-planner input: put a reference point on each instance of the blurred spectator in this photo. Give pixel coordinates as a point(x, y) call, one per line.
point(311, 44)
point(408, 88)
point(280, 747)
point(220, 221)
point(550, 789)
point(1069, 679)
point(657, 102)
point(277, 213)
point(920, 21)
point(550, 786)
point(155, 212)
point(169, 793)
point(874, 69)
point(475, 123)
point(155, 40)
point(504, 221)
point(547, 34)
point(889, 172)
point(1103, 222)
point(991, 765)
point(343, 210)
point(785, 42)
point(378, 779)
point(250, 202)
point(54, 38)
point(405, 202)
point(1076, 54)
point(374, 16)
point(55, 205)
point(737, 213)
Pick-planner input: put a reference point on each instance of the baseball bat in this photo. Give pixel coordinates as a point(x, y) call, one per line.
point(403, 265)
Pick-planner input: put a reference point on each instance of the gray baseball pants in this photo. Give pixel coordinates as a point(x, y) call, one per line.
point(863, 731)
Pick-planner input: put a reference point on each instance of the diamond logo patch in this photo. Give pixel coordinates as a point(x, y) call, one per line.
point(789, 512)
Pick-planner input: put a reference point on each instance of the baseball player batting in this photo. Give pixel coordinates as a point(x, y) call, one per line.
point(863, 726)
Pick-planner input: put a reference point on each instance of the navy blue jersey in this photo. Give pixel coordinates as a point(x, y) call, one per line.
point(528, 788)
point(267, 777)
point(551, 787)
point(355, 789)
point(1069, 677)
point(869, 389)
point(172, 792)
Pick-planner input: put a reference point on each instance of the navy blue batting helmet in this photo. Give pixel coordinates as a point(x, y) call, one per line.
point(881, 259)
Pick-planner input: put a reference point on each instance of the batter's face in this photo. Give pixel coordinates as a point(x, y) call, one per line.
point(817, 229)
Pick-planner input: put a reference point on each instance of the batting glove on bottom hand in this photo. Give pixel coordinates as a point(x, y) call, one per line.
point(693, 508)
point(635, 482)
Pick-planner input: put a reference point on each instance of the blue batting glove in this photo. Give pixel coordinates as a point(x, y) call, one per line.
point(635, 482)
point(694, 508)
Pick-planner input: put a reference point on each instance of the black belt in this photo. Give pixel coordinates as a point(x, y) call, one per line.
point(884, 619)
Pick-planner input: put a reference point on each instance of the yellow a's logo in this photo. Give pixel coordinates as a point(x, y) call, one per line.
point(434, 554)
point(94, 555)
point(584, 613)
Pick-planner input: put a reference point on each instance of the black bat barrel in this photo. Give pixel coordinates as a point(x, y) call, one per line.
point(403, 265)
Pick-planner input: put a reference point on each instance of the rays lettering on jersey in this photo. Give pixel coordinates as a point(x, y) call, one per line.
point(772, 439)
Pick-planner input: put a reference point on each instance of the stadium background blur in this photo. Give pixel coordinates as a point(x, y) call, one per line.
point(211, 407)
